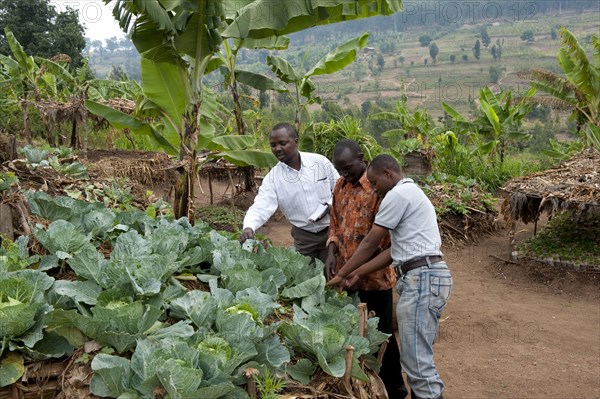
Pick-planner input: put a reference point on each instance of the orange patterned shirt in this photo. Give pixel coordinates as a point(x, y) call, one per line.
point(352, 214)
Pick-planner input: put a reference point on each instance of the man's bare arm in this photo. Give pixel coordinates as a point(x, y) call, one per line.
point(366, 249)
point(381, 261)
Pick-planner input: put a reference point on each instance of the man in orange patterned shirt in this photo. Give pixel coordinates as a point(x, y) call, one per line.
point(355, 204)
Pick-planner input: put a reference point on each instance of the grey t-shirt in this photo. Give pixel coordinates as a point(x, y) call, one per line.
point(410, 216)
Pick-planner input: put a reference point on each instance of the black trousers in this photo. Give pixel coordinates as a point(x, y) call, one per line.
point(313, 245)
point(382, 303)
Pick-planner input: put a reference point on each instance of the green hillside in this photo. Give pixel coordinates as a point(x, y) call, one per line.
point(408, 68)
point(458, 82)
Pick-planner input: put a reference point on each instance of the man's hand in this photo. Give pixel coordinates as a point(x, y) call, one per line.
point(351, 281)
point(330, 266)
point(247, 234)
point(336, 280)
point(344, 283)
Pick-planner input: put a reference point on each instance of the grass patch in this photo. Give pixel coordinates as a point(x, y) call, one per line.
point(221, 218)
point(567, 237)
point(524, 163)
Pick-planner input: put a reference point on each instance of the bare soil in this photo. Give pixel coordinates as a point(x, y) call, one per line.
point(510, 330)
point(523, 330)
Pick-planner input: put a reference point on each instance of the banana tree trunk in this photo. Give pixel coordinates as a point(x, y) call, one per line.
point(249, 183)
point(74, 133)
point(49, 127)
point(297, 122)
point(26, 121)
point(184, 188)
point(10, 148)
point(181, 201)
point(83, 115)
point(297, 109)
point(248, 171)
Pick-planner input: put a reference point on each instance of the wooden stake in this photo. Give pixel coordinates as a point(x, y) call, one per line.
point(346, 383)
point(6, 223)
point(362, 319)
point(249, 373)
point(23, 218)
point(199, 184)
point(232, 188)
point(511, 239)
point(383, 348)
point(210, 188)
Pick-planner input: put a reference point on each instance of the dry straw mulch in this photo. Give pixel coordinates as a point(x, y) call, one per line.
point(478, 219)
point(573, 186)
point(141, 167)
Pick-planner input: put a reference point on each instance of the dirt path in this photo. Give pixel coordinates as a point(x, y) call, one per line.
point(512, 330)
point(518, 331)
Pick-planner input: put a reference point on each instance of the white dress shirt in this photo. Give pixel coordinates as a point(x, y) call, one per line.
point(296, 192)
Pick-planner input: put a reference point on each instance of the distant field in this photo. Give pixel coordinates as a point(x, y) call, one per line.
point(429, 85)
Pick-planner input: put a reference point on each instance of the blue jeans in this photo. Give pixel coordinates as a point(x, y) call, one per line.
point(423, 292)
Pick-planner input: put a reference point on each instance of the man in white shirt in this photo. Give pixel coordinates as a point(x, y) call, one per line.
point(300, 184)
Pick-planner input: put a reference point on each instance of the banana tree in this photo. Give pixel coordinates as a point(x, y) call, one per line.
point(24, 78)
point(69, 91)
point(413, 125)
point(48, 85)
point(413, 135)
point(578, 90)
point(10, 94)
point(233, 76)
point(499, 122)
point(332, 62)
point(32, 82)
point(178, 38)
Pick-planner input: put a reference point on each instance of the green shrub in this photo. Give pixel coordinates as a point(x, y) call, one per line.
point(326, 135)
point(456, 159)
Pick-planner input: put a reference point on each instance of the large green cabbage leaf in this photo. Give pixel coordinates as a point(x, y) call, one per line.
point(62, 239)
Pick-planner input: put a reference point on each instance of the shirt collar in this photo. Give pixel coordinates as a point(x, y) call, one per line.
point(302, 163)
point(363, 181)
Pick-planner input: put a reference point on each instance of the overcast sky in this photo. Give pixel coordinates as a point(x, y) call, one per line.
point(94, 15)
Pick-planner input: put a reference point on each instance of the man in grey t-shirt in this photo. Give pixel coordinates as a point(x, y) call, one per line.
point(424, 281)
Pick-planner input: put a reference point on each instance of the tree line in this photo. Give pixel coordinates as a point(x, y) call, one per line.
point(42, 30)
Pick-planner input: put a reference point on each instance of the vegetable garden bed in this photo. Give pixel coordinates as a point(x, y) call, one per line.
point(156, 307)
point(113, 297)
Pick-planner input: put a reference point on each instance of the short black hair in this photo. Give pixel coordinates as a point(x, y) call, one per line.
point(290, 130)
point(348, 144)
point(384, 161)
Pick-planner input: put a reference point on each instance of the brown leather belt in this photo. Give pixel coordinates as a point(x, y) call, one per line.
point(414, 263)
